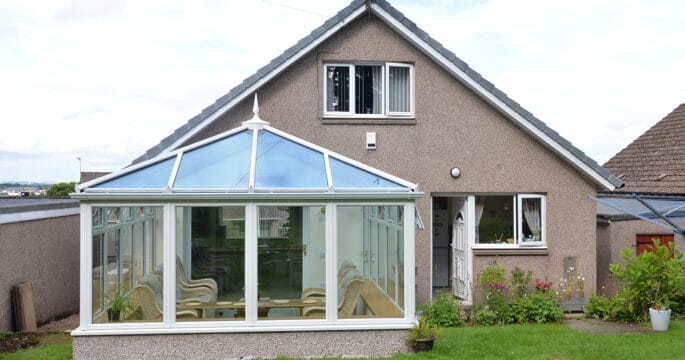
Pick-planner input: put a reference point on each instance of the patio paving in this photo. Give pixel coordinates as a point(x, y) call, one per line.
point(595, 326)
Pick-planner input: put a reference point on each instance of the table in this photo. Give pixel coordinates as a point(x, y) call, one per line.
point(263, 310)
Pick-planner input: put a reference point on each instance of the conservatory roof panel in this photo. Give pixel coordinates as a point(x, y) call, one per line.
point(254, 158)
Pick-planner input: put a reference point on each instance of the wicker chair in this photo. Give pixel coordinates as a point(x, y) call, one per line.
point(191, 283)
point(145, 304)
point(348, 297)
point(318, 293)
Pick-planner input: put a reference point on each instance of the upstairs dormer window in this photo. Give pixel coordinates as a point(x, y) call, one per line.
point(368, 90)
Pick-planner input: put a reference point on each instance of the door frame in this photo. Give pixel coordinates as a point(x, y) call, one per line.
point(469, 219)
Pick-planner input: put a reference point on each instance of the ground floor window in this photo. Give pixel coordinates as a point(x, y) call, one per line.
point(510, 219)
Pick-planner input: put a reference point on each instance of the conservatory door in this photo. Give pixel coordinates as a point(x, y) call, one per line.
point(460, 282)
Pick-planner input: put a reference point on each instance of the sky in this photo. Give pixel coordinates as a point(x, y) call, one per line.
point(103, 81)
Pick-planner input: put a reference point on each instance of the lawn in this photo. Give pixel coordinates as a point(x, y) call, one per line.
point(549, 342)
point(554, 342)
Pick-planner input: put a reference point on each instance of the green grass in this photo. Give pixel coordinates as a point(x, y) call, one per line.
point(549, 342)
point(52, 346)
point(553, 342)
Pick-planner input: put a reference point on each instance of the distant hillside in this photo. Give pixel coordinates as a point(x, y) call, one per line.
point(17, 184)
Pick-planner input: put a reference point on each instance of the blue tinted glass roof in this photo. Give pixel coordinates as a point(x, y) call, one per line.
point(282, 163)
point(349, 176)
point(239, 161)
point(152, 176)
point(224, 163)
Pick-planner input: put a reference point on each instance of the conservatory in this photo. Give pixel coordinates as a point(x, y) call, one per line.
point(252, 230)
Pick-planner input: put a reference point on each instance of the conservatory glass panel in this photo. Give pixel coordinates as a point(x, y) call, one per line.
point(121, 274)
point(224, 163)
point(291, 263)
point(370, 262)
point(210, 263)
point(282, 163)
point(153, 176)
point(346, 176)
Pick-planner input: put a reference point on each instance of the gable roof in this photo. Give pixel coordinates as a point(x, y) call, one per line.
point(431, 48)
point(655, 161)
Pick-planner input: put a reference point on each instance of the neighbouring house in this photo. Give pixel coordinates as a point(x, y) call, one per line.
point(39, 239)
point(301, 228)
point(651, 205)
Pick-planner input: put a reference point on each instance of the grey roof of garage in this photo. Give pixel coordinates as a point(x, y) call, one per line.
point(398, 16)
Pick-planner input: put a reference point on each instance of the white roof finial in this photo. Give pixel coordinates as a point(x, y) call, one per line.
point(255, 107)
point(255, 122)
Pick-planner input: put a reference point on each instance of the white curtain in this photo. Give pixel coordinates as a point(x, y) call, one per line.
point(480, 206)
point(398, 89)
point(531, 212)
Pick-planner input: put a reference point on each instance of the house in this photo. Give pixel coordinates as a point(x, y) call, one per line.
point(319, 190)
point(39, 239)
point(651, 205)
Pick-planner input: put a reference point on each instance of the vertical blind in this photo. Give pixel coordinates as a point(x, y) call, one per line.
point(398, 89)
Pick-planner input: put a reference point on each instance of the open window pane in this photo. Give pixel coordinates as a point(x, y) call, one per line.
point(399, 89)
point(291, 262)
point(368, 89)
point(531, 220)
point(495, 220)
point(337, 88)
point(210, 263)
point(125, 288)
point(370, 262)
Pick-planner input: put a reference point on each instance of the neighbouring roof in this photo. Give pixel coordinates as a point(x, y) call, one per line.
point(430, 47)
point(91, 175)
point(253, 160)
point(17, 210)
point(655, 161)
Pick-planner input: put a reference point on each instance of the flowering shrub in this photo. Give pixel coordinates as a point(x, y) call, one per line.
point(572, 286)
point(496, 304)
point(542, 286)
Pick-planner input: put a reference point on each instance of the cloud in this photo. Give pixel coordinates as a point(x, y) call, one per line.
point(107, 82)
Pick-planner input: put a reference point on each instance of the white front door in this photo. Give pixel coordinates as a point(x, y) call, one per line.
point(460, 266)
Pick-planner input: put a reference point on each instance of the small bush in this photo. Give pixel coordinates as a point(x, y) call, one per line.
point(650, 279)
point(444, 310)
point(486, 317)
point(537, 308)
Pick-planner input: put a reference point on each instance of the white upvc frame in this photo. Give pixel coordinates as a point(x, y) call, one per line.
point(517, 222)
point(543, 221)
point(385, 111)
point(169, 325)
point(386, 81)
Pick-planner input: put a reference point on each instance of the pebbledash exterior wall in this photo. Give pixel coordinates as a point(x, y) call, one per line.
point(452, 127)
point(242, 345)
point(620, 234)
point(44, 252)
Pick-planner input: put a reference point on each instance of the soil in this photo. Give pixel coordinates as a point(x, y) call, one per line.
point(56, 331)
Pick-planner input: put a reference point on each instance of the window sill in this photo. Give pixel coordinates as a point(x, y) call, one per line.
point(380, 120)
point(521, 251)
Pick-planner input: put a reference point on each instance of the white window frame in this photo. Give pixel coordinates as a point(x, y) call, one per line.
point(517, 223)
point(385, 94)
point(169, 325)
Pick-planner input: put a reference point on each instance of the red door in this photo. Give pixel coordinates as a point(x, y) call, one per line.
point(646, 242)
